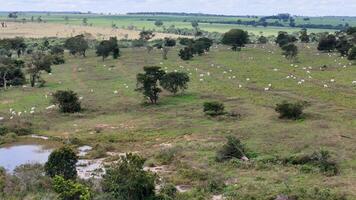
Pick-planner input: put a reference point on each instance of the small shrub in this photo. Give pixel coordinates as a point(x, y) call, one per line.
point(232, 149)
point(68, 101)
point(166, 156)
point(70, 190)
point(167, 192)
point(321, 160)
point(290, 110)
point(214, 108)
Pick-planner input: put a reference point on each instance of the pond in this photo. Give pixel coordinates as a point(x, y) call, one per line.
point(14, 156)
point(11, 157)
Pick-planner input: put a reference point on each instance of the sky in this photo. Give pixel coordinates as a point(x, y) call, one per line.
point(229, 7)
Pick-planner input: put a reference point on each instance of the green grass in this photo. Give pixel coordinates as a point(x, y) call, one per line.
point(179, 120)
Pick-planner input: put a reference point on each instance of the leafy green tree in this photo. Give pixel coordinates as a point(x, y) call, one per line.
point(77, 45)
point(304, 37)
point(343, 46)
point(175, 81)
point(70, 190)
point(126, 180)
point(352, 54)
point(351, 30)
point(11, 72)
point(284, 38)
point(147, 83)
point(107, 47)
point(262, 40)
point(39, 62)
point(67, 100)
point(290, 51)
point(158, 23)
point(57, 53)
point(186, 53)
point(169, 42)
point(62, 162)
point(206, 43)
point(236, 38)
point(195, 24)
point(327, 43)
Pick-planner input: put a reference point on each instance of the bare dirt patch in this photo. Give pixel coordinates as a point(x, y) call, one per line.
point(41, 30)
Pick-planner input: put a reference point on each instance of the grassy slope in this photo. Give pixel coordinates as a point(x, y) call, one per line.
point(180, 121)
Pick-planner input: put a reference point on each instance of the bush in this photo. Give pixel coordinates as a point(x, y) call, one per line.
point(62, 162)
point(352, 54)
point(175, 81)
point(186, 53)
point(214, 108)
point(290, 110)
point(232, 149)
point(167, 192)
point(321, 160)
point(70, 190)
point(67, 100)
point(127, 179)
point(166, 156)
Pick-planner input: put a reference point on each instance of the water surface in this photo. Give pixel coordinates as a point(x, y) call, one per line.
point(11, 157)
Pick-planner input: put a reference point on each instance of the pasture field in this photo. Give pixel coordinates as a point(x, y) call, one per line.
point(239, 80)
point(42, 30)
point(147, 22)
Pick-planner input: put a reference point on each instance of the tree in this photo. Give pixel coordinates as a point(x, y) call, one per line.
point(186, 53)
point(57, 53)
point(284, 38)
point(327, 43)
point(146, 35)
point(351, 30)
point(107, 47)
point(67, 100)
point(16, 44)
point(169, 42)
point(126, 180)
point(13, 15)
point(205, 42)
point(262, 40)
point(158, 23)
point(77, 45)
point(85, 21)
point(304, 37)
point(352, 54)
point(70, 190)
point(236, 38)
point(343, 46)
point(175, 81)
point(290, 51)
point(147, 83)
point(11, 72)
point(39, 62)
point(62, 162)
point(195, 24)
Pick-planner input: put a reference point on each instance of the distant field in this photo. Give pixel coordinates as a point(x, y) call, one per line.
point(147, 22)
point(40, 30)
